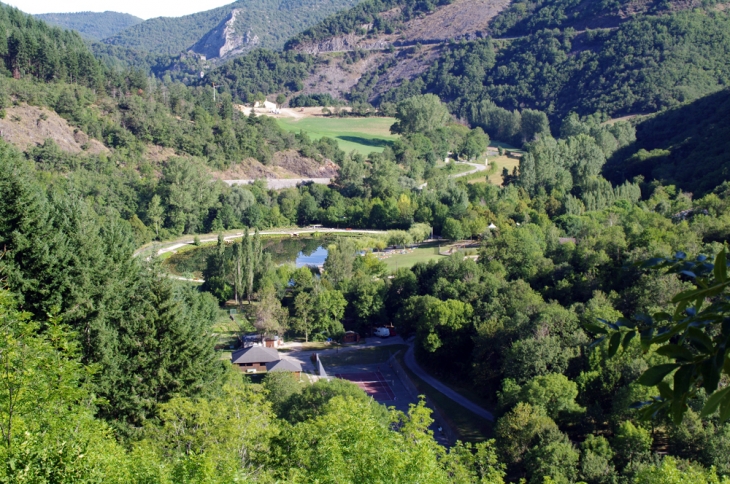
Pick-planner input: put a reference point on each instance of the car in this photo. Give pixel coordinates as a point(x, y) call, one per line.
point(382, 332)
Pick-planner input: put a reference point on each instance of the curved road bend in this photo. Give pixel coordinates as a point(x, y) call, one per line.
point(411, 363)
point(475, 168)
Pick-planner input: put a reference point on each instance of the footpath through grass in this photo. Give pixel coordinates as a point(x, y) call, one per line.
point(364, 135)
point(468, 426)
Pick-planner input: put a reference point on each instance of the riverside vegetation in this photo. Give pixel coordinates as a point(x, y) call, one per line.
point(593, 322)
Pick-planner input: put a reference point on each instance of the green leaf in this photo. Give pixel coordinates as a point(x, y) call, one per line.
point(653, 262)
point(679, 407)
point(614, 344)
point(676, 351)
point(596, 342)
point(700, 294)
point(594, 328)
point(665, 391)
point(701, 340)
point(710, 375)
point(720, 269)
point(684, 295)
point(654, 375)
point(725, 409)
point(683, 380)
point(666, 336)
point(627, 339)
point(714, 401)
point(662, 316)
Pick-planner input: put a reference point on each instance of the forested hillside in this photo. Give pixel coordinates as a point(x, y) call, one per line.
point(33, 48)
point(365, 14)
point(92, 25)
point(647, 64)
point(555, 56)
point(590, 317)
point(529, 17)
point(686, 146)
point(273, 21)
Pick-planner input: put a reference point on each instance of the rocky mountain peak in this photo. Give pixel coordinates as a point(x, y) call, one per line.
point(225, 39)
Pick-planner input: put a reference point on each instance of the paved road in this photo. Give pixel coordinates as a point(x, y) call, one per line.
point(279, 183)
point(411, 363)
point(477, 167)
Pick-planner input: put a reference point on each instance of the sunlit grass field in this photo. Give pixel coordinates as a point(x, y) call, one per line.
point(363, 135)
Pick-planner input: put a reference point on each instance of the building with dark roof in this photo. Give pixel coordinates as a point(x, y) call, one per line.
point(292, 366)
point(254, 358)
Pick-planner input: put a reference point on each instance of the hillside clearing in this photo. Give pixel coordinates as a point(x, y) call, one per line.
point(501, 162)
point(363, 135)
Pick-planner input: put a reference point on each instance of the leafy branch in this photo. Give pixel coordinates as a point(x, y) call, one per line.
point(696, 337)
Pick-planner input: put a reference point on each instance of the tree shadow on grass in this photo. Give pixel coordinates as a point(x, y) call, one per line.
point(375, 142)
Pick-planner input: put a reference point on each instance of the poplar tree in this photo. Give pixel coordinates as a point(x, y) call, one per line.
point(238, 271)
point(249, 265)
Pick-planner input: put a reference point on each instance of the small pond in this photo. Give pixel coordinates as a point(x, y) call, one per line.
point(301, 252)
point(316, 258)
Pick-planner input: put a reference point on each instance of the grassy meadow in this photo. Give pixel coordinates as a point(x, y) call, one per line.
point(364, 135)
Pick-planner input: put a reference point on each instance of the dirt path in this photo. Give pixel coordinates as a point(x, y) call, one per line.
point(411, 363)
point(477, 167)
point(165, 247)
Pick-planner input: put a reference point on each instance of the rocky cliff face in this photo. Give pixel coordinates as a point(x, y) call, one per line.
point(225, 40)
point(459, 20)
point(344, 43)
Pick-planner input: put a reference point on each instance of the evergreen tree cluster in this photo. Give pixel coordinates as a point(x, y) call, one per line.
point(149, 339)
point(30, 47)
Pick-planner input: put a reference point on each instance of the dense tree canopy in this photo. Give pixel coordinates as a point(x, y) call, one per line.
point(579, 298)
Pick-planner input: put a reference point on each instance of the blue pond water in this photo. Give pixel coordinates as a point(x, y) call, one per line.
point(315, 258)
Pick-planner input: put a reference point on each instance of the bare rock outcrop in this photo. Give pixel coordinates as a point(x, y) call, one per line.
point(225, 40)
point(344, 43)
point(288, 164)
point(28, 126)
point(293, 162)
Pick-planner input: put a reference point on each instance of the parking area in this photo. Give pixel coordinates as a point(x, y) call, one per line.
point(378, 380)
point(373, 383)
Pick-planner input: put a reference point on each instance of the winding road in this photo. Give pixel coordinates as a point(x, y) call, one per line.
point(476, 167)
point(412, 364)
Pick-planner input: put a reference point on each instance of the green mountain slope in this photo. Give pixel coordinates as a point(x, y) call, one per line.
point(92, 25)
point(688, 146)
point(272, 21)
point(647, 64)
point(30, 47)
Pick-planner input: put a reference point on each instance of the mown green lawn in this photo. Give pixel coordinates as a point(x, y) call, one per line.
point(397, 259)
point(364, 135)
